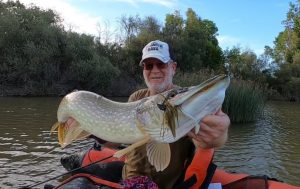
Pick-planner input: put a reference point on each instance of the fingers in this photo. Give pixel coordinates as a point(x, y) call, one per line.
point(197, 140)
point(213, 130)
point(205, 136)
point(209, 132)
point(220, 120)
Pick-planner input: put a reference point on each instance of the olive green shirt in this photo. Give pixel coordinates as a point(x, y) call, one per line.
point(136, 163)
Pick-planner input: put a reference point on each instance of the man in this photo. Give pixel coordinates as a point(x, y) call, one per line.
point(158, 70)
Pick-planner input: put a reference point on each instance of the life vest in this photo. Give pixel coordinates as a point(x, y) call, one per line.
point(200, 171)
point(94, 155)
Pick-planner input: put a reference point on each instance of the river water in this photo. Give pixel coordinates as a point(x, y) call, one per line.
point(28, 154)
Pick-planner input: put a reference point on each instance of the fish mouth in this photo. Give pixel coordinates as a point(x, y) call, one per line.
point(68, 132)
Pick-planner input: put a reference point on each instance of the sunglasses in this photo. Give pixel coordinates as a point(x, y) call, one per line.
point(149, 66)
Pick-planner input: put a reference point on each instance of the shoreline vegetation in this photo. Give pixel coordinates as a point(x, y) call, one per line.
point(39, 57)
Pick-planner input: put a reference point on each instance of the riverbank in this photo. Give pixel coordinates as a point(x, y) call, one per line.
point(120, 87)
point(123, 86)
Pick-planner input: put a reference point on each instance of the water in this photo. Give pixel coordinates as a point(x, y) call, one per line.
point(271, 146)
point(28, 154)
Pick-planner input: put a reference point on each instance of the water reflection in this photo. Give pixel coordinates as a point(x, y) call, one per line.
point(28, 154)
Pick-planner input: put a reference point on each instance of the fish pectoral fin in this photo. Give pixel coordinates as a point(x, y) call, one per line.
point(159, 155)
point(124, 151)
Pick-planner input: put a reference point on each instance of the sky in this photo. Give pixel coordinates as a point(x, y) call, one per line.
point(249, 24)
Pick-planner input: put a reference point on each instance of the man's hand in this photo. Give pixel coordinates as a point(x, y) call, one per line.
point(213, 131)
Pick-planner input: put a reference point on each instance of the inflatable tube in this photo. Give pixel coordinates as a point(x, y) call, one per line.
point(226, 178)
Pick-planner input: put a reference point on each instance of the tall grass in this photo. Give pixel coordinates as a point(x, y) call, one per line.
point(244, 101)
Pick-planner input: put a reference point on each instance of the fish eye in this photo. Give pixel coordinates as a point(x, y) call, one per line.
point(172, 94)
point(162, 107)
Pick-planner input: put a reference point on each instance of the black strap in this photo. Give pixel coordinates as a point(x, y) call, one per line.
point(209, 175)
point(187, 183)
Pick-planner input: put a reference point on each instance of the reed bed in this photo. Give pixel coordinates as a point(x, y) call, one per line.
point(244, 101)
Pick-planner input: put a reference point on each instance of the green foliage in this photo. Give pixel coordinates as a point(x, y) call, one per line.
point(87, 69)
point(193, 40)
point(199, 46)
point(39, 57)
point(174, 27)
point(287, 81)
point(245, 64)
point(30, 40)
point(286, 55)
point(244, 101)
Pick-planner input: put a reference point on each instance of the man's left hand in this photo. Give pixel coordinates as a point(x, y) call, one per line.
point(213, 131)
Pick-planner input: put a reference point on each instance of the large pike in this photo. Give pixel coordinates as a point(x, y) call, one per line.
point(155, 120)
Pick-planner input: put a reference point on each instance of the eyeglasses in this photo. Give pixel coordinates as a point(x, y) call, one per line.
point(160, 65)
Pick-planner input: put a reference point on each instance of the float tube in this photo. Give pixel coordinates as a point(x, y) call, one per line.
point(201, 172)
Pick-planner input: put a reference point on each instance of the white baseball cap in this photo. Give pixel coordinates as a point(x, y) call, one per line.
point(156, 49)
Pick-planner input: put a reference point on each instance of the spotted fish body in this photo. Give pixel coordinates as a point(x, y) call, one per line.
point(155, 121)
point(106, 119)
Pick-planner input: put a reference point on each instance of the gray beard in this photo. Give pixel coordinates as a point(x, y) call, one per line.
point(159, 88)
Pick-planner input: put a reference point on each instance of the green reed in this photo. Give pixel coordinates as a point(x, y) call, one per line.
point(244, 101)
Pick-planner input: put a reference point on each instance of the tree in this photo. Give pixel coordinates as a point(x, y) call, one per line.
point(199, 46)
point(286, 54)
point(38, 56)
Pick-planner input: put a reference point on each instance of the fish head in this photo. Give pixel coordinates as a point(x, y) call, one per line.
point(171, 115)
point(71, 112)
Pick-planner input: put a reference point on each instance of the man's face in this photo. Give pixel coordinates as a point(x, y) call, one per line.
point(158, 75)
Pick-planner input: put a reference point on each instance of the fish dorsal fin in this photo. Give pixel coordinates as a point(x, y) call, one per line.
point(124, 151)
point(159, 155)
